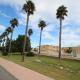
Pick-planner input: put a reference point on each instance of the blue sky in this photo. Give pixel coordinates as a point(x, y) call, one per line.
point(45, 10)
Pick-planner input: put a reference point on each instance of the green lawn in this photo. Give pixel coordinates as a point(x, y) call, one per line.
point(52, 67)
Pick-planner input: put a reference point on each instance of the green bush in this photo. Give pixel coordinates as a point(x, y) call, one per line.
point(69, 50)
point(4, 53)
point(30, 54)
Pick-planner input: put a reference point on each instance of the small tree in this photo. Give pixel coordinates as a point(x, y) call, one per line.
point(20, 43)
point(30, 32)
point(69, 50)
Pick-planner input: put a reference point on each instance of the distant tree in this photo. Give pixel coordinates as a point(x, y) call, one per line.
point(29, 8)
point(19, 43)
point(14, 47)
point(3, 45)
point(9, 30)
point(68, 50)
point(0, 42)
point(7, 45)
point(30, 32)
point(41, 25)
point(61, 12)
point(1, 39)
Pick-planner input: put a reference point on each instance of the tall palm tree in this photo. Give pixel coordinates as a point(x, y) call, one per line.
point(13, 22)
point(41, 25)
point(29, 8)
point(61, 12)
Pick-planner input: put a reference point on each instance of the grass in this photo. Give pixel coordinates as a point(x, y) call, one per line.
point(52, 67)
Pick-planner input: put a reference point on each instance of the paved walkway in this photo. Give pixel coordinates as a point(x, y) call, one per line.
point(4, 75)
point(21, 73)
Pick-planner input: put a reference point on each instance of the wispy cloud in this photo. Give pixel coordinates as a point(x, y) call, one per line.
point(4, 15)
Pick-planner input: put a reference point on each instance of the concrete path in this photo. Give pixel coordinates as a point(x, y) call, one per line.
point(4, 75)
point(21, 73)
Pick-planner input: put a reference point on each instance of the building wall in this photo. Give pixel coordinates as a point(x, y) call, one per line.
point(49, 50)
point(75, 51)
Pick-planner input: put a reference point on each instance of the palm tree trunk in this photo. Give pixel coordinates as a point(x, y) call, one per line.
point(40, 42)
point(29, 44)
point(10, 41)
point(6, 43)
point(0, 44)
point(3, 46)
point(24, 46)
point(60, 33)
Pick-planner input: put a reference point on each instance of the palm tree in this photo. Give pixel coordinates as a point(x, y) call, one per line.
point(13, 22)
point(41, 25)
point(8, 30)
point(61, 12)
point(3, 37)
point(0, 40)
point(30, 32)
point(29, 8)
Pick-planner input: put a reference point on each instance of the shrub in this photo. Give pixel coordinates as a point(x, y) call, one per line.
point(69, 50)
point(30, 54)
point(4, 53)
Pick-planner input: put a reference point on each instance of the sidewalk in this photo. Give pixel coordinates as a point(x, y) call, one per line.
point(21, 73)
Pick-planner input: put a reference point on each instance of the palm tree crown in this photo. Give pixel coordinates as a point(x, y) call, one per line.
point(4, 34)
point(14, 22)
point(9, 30)
point(61, 12)
point(30, 32)
point(29, 7)
point(42, 24)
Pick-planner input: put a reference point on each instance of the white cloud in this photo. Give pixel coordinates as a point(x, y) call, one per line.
point(22, 18)
point(12, 3)
point(47, 35)
point(47, 7)
point(71, 37)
